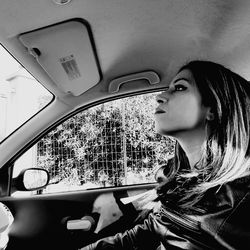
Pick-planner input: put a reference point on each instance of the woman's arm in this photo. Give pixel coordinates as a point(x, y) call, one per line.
point(141, 236)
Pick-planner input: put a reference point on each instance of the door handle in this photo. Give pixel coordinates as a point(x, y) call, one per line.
point(86, 223)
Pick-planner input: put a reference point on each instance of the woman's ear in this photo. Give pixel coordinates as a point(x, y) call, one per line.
point(210, 114)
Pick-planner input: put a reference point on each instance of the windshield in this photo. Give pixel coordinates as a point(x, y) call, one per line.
point(21, 95)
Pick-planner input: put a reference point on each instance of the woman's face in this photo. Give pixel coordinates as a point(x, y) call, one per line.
point(180, 108)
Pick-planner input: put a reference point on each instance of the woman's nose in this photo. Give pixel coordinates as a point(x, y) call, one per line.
point(161, 98)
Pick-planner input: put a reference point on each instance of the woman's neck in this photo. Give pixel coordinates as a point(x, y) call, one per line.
point(193, 146)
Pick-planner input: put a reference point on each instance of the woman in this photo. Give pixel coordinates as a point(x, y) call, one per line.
point(206, 197)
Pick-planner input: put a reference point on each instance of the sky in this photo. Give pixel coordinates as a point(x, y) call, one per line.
point(8, 64)
point(17, 104)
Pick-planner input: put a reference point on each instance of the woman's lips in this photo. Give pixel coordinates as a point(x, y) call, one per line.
point(159, 111)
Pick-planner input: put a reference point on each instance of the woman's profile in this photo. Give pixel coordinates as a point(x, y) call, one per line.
point(205, 197)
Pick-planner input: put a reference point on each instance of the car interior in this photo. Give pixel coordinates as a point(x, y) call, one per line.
point(78, 152)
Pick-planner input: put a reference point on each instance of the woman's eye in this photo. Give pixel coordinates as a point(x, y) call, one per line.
point(180, 87)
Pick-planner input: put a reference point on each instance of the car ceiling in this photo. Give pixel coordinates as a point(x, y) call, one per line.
point(136, 35)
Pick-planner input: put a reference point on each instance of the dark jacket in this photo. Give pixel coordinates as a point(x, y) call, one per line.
point(224, 225)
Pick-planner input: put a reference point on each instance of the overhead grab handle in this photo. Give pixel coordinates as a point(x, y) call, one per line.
point(150, 76)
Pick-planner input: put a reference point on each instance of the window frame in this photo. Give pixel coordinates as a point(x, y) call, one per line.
point(10, 164)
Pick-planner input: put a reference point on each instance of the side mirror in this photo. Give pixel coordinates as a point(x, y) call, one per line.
point(31, 179)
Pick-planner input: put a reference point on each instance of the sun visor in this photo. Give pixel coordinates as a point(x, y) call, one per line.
point(65, 52)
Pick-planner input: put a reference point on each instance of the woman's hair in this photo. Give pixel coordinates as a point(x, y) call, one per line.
point(226, 151)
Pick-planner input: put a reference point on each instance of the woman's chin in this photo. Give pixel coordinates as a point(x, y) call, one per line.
point(162, 131)
point(167, 132)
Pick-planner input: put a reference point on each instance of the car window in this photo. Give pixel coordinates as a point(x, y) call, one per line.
point(112, 144)
point(21, 95)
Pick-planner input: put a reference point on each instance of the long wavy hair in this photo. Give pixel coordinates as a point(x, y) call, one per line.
point(226, 151)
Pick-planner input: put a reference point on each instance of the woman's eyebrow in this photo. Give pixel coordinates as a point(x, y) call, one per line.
point(179, 79)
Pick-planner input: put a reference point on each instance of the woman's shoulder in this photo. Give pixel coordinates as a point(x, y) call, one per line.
point(227, 217)
point(228, 194)
point(237, 188)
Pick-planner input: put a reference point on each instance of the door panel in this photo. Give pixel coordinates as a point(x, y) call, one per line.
point(40, 222)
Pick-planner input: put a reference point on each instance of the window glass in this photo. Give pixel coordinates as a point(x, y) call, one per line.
point(112, 144)
point(21, 96)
